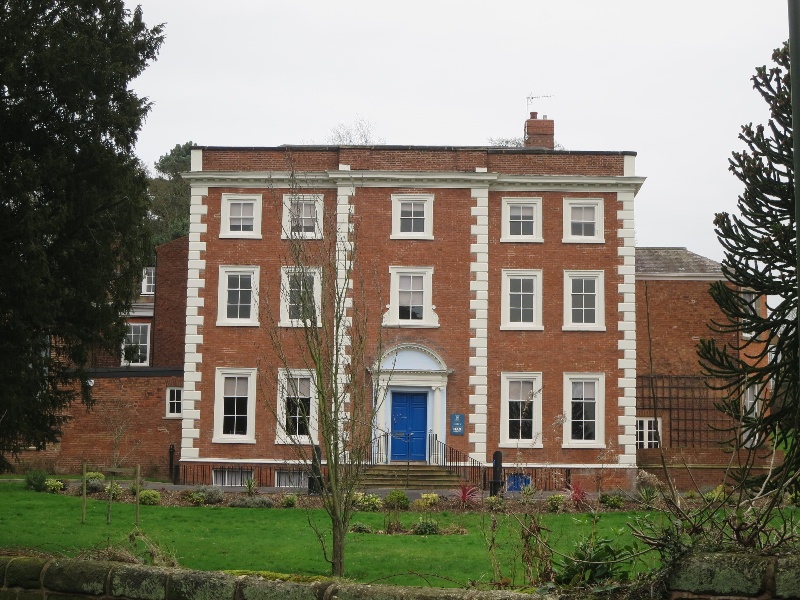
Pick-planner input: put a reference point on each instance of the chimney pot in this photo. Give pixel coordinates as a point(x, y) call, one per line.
point(534, 115)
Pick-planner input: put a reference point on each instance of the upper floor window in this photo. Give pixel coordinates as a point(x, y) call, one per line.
point(174, 402)
point(301, 296)
point(411, 298)
point(584, 304)
point(584, 409)
point(751, 307)
point(522, 220)
point(234, 406)
point(136, 346)
point(412, 216)
point(521, 410)
point(583, 220)
point(148, 281)
point(241, 216)
point(238, 296)
point(522, 299)
point(302, 216)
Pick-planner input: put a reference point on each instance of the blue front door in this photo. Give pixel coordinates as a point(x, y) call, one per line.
point(409, 425)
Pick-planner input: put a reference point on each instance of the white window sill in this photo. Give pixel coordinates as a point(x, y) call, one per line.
point(517, 327)
point(173, 417)
point(397, 236)
point(576, 445)
point(238, 235)
point(522, 240)
point(583, 328)
point(241, 323)
point(239, 439)
point(520, 445)
point(294, 324)
point(587, 240)
point(411, 325)
point(294, 441)
point(300, 236)
point(126, 364)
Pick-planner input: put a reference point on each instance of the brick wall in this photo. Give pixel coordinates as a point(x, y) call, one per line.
point(170, 303)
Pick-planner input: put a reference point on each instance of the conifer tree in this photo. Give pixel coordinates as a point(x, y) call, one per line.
point(761, 371)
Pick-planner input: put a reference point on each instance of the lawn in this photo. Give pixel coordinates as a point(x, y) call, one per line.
point(280, 540)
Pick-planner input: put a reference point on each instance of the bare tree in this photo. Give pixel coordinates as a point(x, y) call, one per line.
point(358, 133)
point(118, 415)
point(324, 350)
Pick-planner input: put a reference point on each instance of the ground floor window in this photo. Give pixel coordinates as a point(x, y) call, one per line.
point(231, 477)
point(291, 479)
point(648, 432)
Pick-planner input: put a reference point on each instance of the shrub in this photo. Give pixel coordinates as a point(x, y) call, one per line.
point(715, 495)
point(429, 499)
point(53, 485)
point(690, 495)
point(149, 498)
point(289, 501)
point(212, 495)
point(576, 494)
point(360, 528)
point(250, 487)
point(495, 503)
point(35, 480)
point(114, 490)
point(136, 486)
point(613, 501)
point(366, 502)
point(95, 485)
point(593, 561)
point(396, 500)
point(196, 498)
point(95, 475)
point(251, 502)
point(426, 526)
point(647, 495)
point(555, 503)
point(466, 493)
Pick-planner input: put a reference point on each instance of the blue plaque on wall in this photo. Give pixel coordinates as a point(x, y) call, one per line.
point(456, 424)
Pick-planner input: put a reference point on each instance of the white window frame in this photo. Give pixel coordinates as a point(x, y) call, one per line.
point(298, 477)
point(148, 281)
point(505, 440)
point(643, 426)
point(752, 299)
point(600, 304)
point(599, 225)
point(505, 309)
point(427, 201)
point(281, 435)
point(505, 231)
point(391, 318)
point(599, 440)
point(219, 406)
point(230, 477)
point(222, 295)
point(146, 362)
point(170, 392)
point(286, 223)
point(286, 274)
point(225, 220)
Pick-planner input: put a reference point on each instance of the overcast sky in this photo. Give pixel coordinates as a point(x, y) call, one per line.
point(669, 80)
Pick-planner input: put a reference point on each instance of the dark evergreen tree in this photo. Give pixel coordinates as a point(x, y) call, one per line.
point(73, 201)
point(760, 265)
point(170, 196)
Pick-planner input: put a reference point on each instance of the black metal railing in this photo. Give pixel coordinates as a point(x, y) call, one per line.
point(380, 450)
point(455, 461)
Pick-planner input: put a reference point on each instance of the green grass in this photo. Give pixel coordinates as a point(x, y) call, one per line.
point(278, 540)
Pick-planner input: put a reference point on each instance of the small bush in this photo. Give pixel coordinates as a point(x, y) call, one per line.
point(396, 500)
point(613, 501)
point(95, 475)
point(212, 495)
point(360, 528)
point(251, 502)
point(577, 495)
point(647, 495)
point(289, 501)
point(95, 485)
point(136, 486)
point(114, 491)
point(555, 503)
point(690, 495)
point(196, 498)
point(466, 493)
point(429, 499)
point(495, 503)
point(715, 495)
point(366, 502)
point(53, 485)
point(149, 498)
point(35, 480)
point(251, 489)
point(426, 526)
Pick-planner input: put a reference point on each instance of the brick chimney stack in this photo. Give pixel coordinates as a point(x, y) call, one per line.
point(539, 133)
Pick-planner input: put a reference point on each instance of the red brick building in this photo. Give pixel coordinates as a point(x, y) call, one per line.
point(503, 280)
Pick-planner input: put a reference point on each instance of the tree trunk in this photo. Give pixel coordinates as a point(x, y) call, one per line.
point(339, 533)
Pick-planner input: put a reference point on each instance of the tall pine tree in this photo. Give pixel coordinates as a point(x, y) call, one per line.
point(760, 266)
point(73, 201)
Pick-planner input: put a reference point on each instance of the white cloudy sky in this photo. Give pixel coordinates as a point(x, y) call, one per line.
point(669, 80)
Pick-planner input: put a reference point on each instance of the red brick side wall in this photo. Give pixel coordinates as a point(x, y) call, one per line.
point(170, 304)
